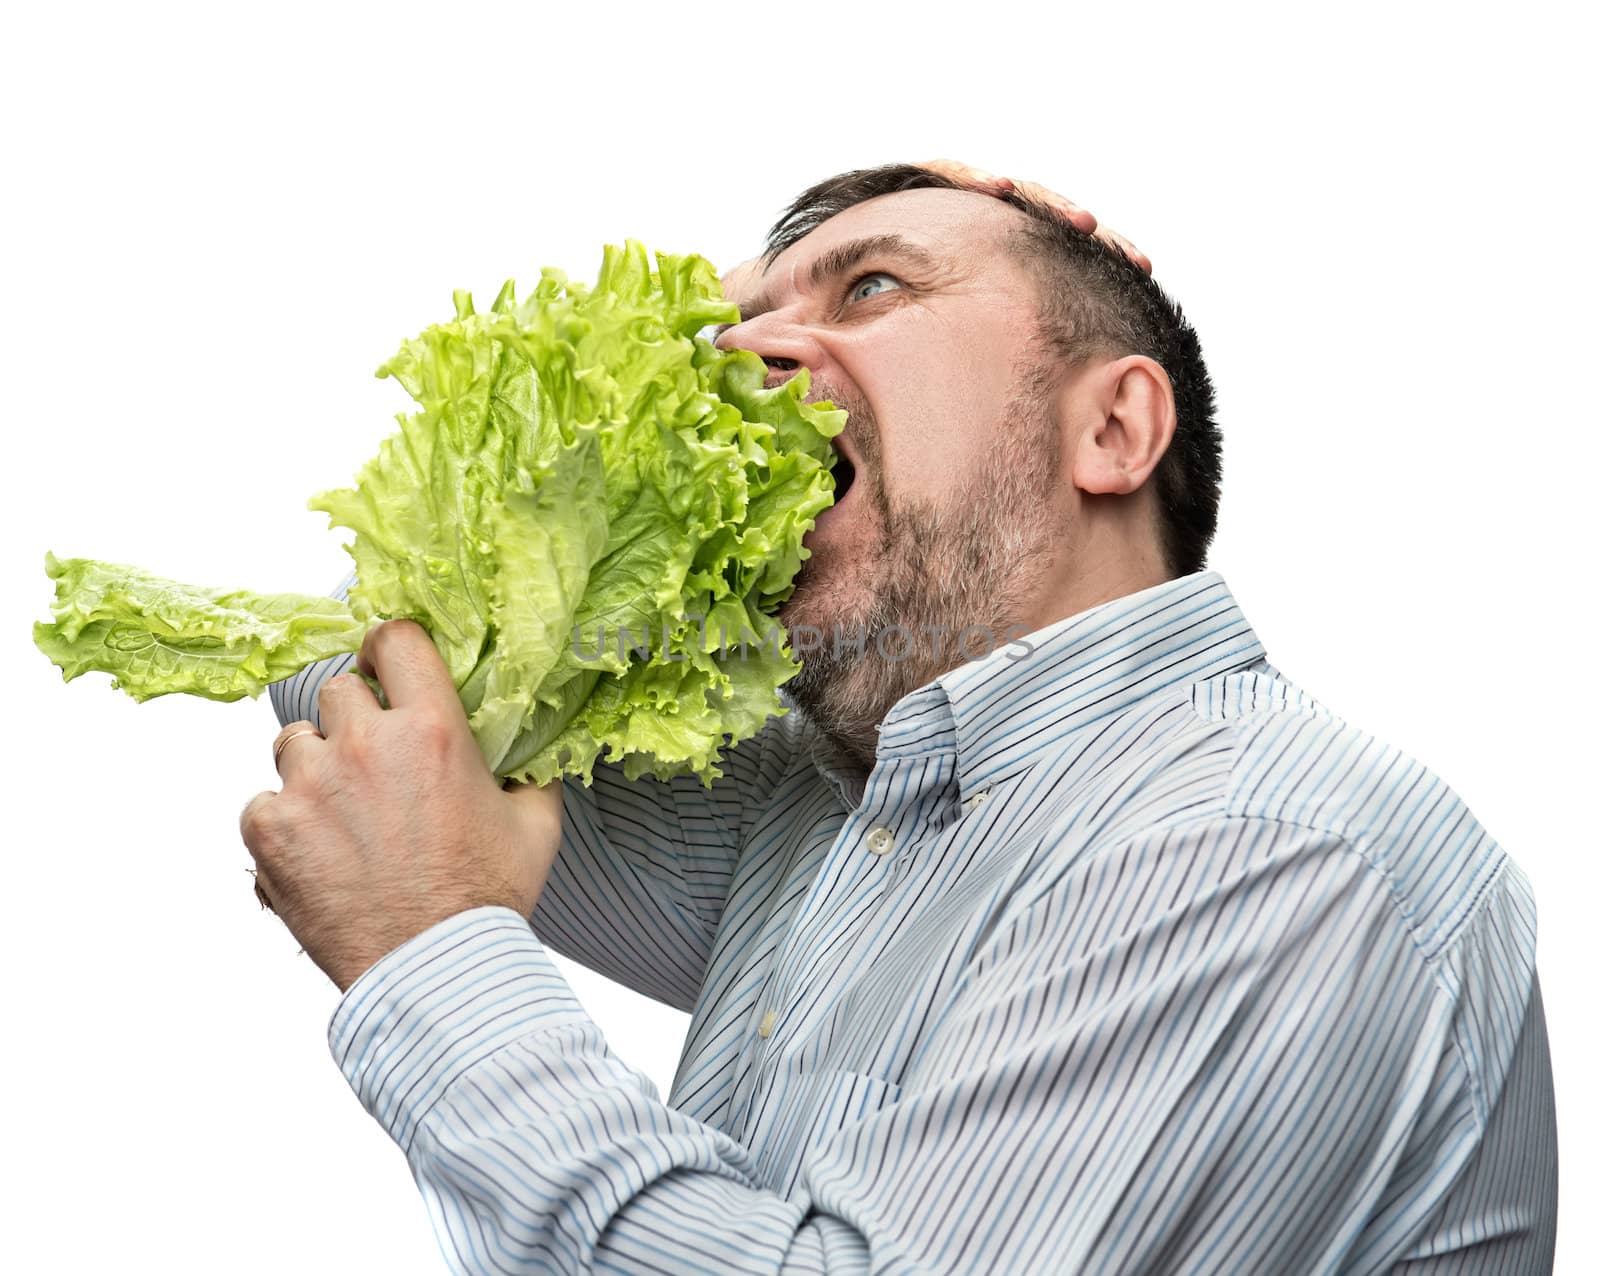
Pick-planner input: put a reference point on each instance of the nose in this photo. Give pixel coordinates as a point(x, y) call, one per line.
point(784, 346)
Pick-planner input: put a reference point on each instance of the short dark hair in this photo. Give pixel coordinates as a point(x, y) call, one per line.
point(1092, 301)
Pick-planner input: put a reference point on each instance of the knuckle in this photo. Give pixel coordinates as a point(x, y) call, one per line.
point(388, 636)
point(299, 724)
point(271, 823)
point(379, 635)
point(359, 744)
point(376, 638)
point(434, 733)
point(261, 821)
point(339, 686)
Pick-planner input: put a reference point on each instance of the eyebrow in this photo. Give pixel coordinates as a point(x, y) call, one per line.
point(837, 260)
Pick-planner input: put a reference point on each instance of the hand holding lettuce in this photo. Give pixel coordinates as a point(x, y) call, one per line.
point(581, 464)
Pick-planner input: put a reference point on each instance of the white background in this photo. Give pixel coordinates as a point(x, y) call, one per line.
point(222, 219)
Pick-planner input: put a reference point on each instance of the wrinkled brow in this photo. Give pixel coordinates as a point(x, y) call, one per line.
point(842, 257)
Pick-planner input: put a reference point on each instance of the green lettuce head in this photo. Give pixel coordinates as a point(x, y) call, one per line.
point(594, 513)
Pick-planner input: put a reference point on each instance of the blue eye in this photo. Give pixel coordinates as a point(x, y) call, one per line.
point(855, 289)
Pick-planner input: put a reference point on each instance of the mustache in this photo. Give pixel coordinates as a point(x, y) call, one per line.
point(860, 424)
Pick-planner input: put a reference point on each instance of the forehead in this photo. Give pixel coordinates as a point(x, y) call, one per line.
point(961, 229)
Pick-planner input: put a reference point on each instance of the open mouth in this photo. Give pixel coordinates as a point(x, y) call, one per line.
point(844, 477)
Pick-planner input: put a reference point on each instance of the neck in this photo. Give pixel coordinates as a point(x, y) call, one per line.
point(1114, 554)
point(1092, 588)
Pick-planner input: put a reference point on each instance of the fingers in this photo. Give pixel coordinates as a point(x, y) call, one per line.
point(344, 699)
point(261, 828)
point(985, 181)
point(527, 793)
point(1081, 218)
point(538, 808)
point(1108, 236)
point(252, 822)
point(293, 746)
point(1085, 221)
point(409, 668)
point(967, 175)
point(540, 803)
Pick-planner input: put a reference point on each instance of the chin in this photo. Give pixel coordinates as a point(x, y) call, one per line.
point(828, 594)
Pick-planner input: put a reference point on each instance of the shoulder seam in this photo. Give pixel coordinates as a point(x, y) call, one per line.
point(1305, 702)
point(1434, 963)
point(1355, 842)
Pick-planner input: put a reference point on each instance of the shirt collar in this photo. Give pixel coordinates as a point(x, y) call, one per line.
point(1000, 712)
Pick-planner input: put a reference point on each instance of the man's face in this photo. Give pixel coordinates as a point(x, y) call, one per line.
point(911, 316)
point(921, 353)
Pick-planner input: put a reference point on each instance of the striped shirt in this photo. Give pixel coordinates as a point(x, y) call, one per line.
point(1127, 956)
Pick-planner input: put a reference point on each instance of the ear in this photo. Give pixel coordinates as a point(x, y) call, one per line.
point(1129, 416)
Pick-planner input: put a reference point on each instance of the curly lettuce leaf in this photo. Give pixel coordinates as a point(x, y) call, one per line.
point(589, 510)
point(157, 636)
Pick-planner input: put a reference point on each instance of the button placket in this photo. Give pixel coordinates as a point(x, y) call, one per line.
point(790, 968)
point(862, 882)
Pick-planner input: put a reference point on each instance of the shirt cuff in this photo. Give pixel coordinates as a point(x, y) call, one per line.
point(440, 1003)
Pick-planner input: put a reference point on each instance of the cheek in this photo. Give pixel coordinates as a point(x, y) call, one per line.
point(937, 409)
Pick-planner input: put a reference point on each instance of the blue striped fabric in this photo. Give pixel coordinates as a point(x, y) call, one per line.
point(1128, 956)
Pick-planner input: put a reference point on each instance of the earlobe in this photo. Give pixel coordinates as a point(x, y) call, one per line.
point(1133, 417)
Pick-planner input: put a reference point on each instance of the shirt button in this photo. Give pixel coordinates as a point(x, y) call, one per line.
point(768, 1022)
point(977, 799)
point(880, 841)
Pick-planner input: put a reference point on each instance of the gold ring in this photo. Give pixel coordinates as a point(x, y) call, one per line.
point(277, 749)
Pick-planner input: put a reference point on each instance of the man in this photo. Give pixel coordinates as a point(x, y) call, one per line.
point(1105, 950)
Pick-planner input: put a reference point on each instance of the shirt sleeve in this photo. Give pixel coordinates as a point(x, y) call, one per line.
point(1499, 1215)
point(535, 1148)
point(1223, 1081)
point(638, 889)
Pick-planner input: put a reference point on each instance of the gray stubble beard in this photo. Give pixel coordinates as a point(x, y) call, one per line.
point(968, 563)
